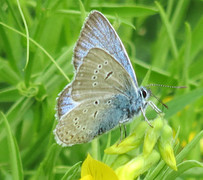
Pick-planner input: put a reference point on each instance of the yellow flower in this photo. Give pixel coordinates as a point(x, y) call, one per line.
point(167, 99)
point(96, 170)
point(191, 136)
point(152, 136)
point(166, 148)
point(183, 143)
point(129, 143)
point(87, 177)
point(201, 145)
point(137, 166)
point(161, 133)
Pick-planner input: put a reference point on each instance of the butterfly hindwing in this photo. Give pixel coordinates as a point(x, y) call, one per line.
point(65, 103)
point(90, 119)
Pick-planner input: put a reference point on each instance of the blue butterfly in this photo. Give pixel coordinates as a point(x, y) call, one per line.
point(104, 92)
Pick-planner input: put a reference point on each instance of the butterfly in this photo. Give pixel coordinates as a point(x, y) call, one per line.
point(104, 92)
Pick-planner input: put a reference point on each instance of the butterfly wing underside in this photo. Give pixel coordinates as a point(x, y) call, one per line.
point(98, 32)
point(65, 103)
point(100, 75)
point(102, 89)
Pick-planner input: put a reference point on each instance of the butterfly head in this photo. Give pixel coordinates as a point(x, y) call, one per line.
point(141, 101)
point(144, 92)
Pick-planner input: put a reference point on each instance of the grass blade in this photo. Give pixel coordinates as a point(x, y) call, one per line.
point(15, 159)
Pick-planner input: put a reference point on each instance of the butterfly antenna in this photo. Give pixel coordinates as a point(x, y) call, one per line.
point(161, 85)
point(159, 100)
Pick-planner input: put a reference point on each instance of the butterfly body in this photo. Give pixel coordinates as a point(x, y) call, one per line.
point(104, 92)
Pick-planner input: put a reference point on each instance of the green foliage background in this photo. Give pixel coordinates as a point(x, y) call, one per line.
point(163, 38)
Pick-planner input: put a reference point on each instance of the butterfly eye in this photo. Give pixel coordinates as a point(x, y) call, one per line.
point(144, 93)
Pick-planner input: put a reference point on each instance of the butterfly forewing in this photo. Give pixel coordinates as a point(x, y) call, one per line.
point(100, 75)
point(98, 32)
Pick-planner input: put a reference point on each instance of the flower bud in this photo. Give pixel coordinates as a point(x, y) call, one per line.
point(129, 143)
point(120, 160)
point(152, 135)
point(166, 148)
point(137, 166)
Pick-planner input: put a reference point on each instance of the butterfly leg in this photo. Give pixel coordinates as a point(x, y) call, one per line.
point(121, 131)
point(153, 106)
point(146, 117)
point(124, 126)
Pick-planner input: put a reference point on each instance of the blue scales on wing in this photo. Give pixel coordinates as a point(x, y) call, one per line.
point(65, 103)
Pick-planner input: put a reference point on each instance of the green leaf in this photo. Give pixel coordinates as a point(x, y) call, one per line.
point(189, 147)
point(83, 12)
point(146, 78)
point(15, 159)
point(15, 114)
point(41, 94)
point(168, 30)
point(126, 11)
point(182, 167)
point(197, 45)
point(7, 74)
point(180, 102)
point(9, 94)
point(72, 172)
point(45, 171)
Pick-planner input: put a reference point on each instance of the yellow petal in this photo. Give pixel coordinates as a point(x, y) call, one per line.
point(87, 177)
point(97, 169)
point(201, 145)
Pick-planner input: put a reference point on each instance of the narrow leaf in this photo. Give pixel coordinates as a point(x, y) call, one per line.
point(15, 160)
